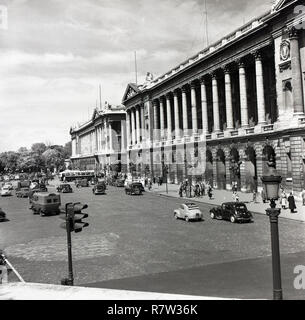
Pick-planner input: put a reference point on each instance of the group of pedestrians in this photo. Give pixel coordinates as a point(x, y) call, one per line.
point(199, 189)
point(288, 202)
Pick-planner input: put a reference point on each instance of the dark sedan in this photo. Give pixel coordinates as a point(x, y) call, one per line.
point(2, 215)
point(64, 188)
point(232, 211)
point(99, 188)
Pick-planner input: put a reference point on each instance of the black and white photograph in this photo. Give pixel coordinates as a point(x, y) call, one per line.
point(152, 151)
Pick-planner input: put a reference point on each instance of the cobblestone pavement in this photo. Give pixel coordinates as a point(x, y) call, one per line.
point(131, 236)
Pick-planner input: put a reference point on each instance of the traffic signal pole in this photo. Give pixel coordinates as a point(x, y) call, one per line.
point(69, 242)
point(73, 222)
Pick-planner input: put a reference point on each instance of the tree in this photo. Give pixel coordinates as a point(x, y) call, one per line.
point(53, 159)
point(68, 150)
point(39, 148)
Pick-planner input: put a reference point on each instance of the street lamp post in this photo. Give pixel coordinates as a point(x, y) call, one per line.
point(271, 187)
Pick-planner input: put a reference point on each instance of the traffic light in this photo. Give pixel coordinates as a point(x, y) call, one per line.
point(76, 215)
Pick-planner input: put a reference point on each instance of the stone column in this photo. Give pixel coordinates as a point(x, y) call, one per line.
point(214, 154)
point(143, 131)
point(184, 112)
point(110, 136)
point(133, 126)
point(156, 131)
point(128, 129)
point(169, 117)
point(259, 166)
point(138, 124)
point(161, 118)
point(229, 108)
point(297, 90)
point(176, 111)
point(204, 107)
point(243, 95)
point(228, 171)
point(261, 109)
point(194, 109)
point(215, 104)
point(242, 158)
point(123, 126)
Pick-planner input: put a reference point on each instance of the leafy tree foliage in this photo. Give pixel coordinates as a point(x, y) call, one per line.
point(39, 157)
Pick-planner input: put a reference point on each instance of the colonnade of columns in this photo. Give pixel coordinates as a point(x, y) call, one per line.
point(175, 113)
point(166, 129)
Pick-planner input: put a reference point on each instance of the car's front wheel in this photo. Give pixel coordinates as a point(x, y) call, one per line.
point(175, 215)
point(232, 219)
point(187, 219)
point(212, 215)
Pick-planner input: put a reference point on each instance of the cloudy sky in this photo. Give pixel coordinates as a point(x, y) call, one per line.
point(55, 53)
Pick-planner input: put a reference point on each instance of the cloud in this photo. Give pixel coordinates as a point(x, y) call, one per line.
point(55, 54)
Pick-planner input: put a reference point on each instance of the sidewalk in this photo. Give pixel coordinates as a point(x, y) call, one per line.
point(220, 196)
point(38, 291)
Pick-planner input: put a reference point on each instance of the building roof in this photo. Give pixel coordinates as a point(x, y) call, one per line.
point(133, 89)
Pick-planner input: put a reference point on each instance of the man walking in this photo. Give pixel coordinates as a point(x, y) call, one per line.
point(291, 202)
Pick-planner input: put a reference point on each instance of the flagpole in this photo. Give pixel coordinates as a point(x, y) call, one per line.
point(136, 71)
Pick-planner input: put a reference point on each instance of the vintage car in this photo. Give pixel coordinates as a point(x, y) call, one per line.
point(120, 183)
point(99, 188)
point(232, 211)
point(6, 191)
point(45, 203)
point(8, 185)
point(188, 211)
point(81, 183)
point(43, 187)
point(23, 184)
point(64, 188)
point(134, 188)
point(22, 192)
point(2, 215)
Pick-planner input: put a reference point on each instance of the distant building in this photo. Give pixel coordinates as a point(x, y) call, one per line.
point(239, 103)
point(100, 142)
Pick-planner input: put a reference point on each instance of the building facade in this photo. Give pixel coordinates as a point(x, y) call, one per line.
point(228, 111)
point(100, 144)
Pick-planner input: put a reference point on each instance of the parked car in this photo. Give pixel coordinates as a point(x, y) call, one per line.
point(232, 211)
point(64, 188)
point(22, 192)
point(6, 191)
point(81, 183)
point(8, 185)
point(2, 215)
point(134, 188)
point(99, 188)
point(188, 211)
point(45, 203)
point(120, 183)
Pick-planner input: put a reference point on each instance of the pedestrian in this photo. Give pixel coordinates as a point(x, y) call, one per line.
point(283, 200)
point(181, 190)
point(210, 192)
point(254, 196)
point(291, 202)
point(263, 195)
point(303, 196)
point(149, 184)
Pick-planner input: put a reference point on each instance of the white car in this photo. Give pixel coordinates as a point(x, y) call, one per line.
point(5, 191)
point(188, 211)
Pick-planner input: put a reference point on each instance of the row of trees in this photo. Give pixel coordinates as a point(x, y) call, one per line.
point(38, 157)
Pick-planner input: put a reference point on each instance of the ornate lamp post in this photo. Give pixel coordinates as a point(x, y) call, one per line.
point(271, 186)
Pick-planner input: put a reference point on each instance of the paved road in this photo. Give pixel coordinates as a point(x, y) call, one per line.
point(134, 242)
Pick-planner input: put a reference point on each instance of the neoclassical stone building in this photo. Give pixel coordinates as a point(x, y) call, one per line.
point(101, 141)
point(231, 108)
